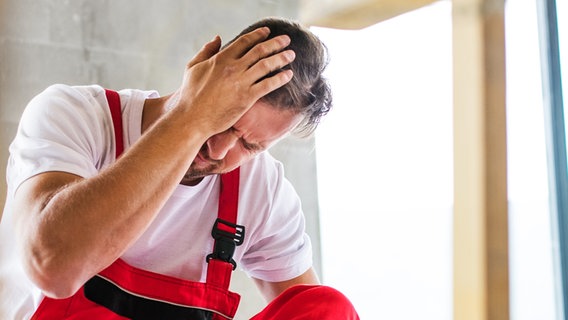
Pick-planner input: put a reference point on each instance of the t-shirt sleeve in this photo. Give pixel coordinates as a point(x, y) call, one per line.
point(280, 249)
point(59, 130)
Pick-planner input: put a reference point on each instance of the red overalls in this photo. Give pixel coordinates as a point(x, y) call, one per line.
point(124, 292)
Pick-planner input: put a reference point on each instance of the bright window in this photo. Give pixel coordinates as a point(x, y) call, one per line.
point(385, 167)
point(530, 249)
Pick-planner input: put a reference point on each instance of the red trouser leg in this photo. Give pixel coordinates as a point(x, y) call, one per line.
point(309, 302)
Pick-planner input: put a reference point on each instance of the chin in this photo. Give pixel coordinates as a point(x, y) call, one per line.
point(200, 173)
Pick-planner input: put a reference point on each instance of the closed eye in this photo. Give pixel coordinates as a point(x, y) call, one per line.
point(250, 146)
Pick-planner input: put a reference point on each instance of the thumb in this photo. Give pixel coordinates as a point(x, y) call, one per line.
point(206, 52)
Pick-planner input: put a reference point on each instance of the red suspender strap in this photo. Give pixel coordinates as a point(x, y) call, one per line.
point(115, 110)
point(229, 197)
point(226, 232)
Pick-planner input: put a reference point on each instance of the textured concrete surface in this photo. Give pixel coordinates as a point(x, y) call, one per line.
point(130, 44)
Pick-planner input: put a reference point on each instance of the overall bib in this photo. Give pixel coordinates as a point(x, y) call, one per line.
point(122, 291)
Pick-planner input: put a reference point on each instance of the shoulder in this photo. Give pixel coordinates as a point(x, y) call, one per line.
point(63, 107)
point(265, 188)
point(60, 130)
point(264, 167)
point(277, 248)
point(63, 98)
point(264, 174)
point(70, 93)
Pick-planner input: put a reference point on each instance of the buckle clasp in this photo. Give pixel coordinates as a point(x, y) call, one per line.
point(227, 237)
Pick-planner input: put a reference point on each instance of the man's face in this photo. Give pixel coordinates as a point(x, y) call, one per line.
point(257, 130)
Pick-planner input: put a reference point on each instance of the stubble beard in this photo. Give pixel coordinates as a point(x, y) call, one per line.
point(199, 173)
point(194, 174)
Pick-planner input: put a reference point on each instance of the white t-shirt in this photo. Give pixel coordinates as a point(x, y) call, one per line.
point(70, 129)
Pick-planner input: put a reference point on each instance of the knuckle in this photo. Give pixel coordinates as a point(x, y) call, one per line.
point(246, 40)
point(265, 64)
point(262, 50)
point(254, 55)
point(283, 40)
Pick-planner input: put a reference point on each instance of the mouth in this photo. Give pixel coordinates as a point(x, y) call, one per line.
point(202, 159)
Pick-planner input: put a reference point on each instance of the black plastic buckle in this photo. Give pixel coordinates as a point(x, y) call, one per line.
point(226, 242)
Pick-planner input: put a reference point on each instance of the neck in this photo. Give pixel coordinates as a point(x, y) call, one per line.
point(155, 108)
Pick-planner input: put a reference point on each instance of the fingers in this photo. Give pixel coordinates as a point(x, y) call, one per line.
point(267, 85)
point(206, 52)
point(262, 58)
point(266, 49)
point(245, 42)
point(269, 64)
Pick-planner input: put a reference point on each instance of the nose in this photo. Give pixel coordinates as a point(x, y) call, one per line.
point(219, 145)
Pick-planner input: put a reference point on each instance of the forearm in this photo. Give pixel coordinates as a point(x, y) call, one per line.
point(83, 227)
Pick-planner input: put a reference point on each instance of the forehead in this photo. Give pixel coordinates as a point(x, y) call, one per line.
point(265, 124)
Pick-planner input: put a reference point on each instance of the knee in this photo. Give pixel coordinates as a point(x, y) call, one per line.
point(325, 300)
point(303, 302)
point(326, 294)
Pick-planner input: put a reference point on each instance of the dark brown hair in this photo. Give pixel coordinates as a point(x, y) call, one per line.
point(308, 92)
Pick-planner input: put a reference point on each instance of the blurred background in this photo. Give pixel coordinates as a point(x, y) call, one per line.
point(377, 179)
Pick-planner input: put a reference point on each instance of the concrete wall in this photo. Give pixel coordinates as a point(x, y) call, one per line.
point(129, 44)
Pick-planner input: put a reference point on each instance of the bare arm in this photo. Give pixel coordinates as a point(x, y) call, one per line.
point(271, 290)
point(71, 228)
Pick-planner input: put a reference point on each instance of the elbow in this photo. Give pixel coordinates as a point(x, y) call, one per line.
point(50, 266)
point(54, 280)
point(54, 285)
point(47, 254)
point(56, 290)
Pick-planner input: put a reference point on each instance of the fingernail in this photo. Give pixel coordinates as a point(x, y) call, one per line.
point(291, 55)
point(286, 39)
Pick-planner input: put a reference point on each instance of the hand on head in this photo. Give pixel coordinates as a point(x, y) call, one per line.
point(220, 86)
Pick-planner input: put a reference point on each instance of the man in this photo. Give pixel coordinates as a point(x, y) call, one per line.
point(154, 231)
